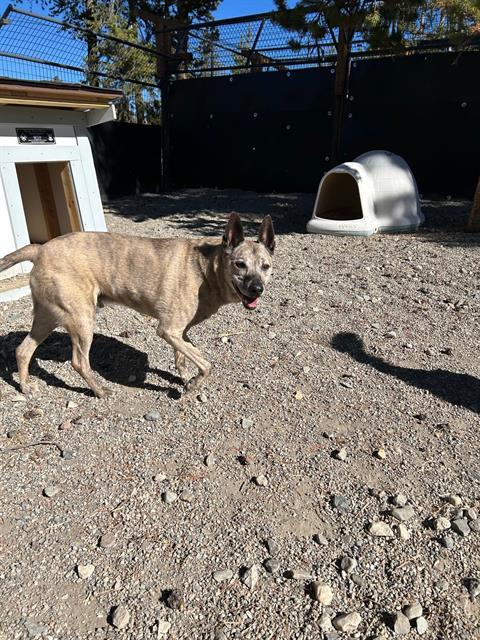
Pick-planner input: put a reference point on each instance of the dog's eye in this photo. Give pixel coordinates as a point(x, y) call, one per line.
point(240, 264)
point(265, 267)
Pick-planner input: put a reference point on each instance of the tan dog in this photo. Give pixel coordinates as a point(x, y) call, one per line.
point(181, 282)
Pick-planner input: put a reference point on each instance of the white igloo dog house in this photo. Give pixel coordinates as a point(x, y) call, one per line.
point(375, 192)
point(48, 184)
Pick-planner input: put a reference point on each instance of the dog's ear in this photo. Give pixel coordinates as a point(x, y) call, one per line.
point(266, 234)
point(233, 235)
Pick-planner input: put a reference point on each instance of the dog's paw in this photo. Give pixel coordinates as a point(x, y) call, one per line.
point(103, 392)
point(29, 388)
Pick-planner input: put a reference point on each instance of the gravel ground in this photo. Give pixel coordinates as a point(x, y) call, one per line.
point(356, 379)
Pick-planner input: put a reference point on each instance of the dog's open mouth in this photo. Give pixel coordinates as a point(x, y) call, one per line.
point(248, 303)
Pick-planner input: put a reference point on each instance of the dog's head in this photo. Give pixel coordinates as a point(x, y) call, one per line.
point(249, 262)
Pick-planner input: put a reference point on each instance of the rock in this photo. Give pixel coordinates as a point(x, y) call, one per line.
point(159, 477)
point(403, 513)
point(347, 622)
point(403, 531)
point(454, 500)
point(322, 593)
point(381, 454)
point(223, 574)
point(271, 565)
point(209, 460)
point(250, 577)
point(51, 490)
point(325, 622)
point(461, 527)
point(120, 617)
point(473, 586)
point(441, 523)
point(399, 500)
point(380, 529)
point(85, 571)
point(474, 525)
point(107, 540)
point(246, 423)
point(34, 629)
point(341, 503)
point(470, 514)
point(298, 394)
point(422, 625)
point(401, 624)
point(67, 455)
point(340, 454)
point(152, 416)
point(186, 496)
point(272, 546)
point(36, 412)
point(319, 538)
point(175, 600)
point(261, 481)
point(413, 611)
point(219, 634)
point(347, 564)
point(447, 542)
point(298, 574)
point(163, 627)
point(391, 334)
point(71, 404)
point(169, 497)
point(202, 398)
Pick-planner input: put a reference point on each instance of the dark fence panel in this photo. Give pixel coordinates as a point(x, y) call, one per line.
point(127, 158)
point(261, 131)
point(273, 131)
point(426, 108)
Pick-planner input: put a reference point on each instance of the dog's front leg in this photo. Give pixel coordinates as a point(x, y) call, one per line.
point(182, 344)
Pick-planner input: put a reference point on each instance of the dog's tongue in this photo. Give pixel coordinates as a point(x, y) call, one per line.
point(251, 303)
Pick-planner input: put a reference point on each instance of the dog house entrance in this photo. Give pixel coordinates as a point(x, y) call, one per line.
point(339, 198)
point(49, 199)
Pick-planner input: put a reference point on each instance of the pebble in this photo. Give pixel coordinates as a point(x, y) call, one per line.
point(272, 565)
point(107, 540)
point(461, 527)
point(299, 574)
point(159, 477)
point(340, 454)
point(209, 460)
point(422, 625)
point(454, 500)
point(250, 577)
point(403, 531)
point(261, 481)
point(120, 617)
point(51, 490)
point(71, 404)
point(399, 500)
point(474, 525)
point(67, 455)
point(34, 629)
point(380, 529)
point(325, 622)
point(272, 546)
point(247, 423)
point(347, 622)
point(175, 600)
point(202, 398)
point(322, 593)
point(403, 513)
point(381, 454)
point(391, 334)
point(470, 514)
point(413, 611)
point(441, 523)
point(219, 634)
point(163, 627)
point(447, 542)
point(85, 571)
point(152, 416)
point(319, 538)
point(358, 580)
point(169, 497)
point(348, 564)
point(223, 574)
point(186, 496)
point(473, 586)
point(341, 503)
point(401, 624)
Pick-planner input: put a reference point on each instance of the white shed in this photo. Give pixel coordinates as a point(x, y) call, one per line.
point(48, 184)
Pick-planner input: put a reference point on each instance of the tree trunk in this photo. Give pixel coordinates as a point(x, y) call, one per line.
point(473, 223)
point(341, 85)
point(92, 54)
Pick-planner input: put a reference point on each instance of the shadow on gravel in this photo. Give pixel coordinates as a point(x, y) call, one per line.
point(112, 359)
point(205, 211)
point(459, 389)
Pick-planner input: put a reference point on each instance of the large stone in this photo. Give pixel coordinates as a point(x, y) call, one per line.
point(347, 622)
point(403, 513)
point(120, 617)
point(461, 527)
point(322, 593)
point(250, 577)
point(401, 624)
point(380, 529)
point(413, 611)
point(223, 574)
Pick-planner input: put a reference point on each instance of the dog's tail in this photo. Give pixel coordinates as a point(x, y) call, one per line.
point(30, 253)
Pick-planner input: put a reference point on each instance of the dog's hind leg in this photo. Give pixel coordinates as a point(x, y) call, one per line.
point(182, 344)
point(43, 325)
point(81, 333)
point(181, 365)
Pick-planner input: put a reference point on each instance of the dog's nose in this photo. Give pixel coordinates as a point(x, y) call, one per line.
point(256, 289)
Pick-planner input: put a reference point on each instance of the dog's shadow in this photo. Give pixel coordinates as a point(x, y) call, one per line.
point(112, 359)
